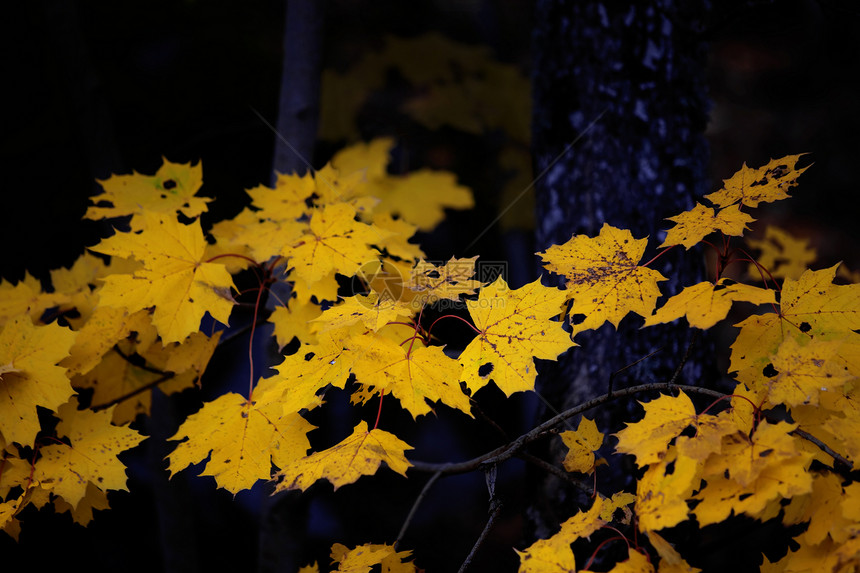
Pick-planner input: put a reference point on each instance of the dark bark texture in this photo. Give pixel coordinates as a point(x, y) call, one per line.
point(298, 106)
point(620, 109)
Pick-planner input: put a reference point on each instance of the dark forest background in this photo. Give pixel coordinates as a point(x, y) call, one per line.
point(93, 88)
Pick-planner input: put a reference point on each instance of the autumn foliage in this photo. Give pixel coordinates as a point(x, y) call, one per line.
point(146, 308)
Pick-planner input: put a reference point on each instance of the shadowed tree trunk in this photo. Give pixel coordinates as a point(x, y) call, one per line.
point(620, 109)
point(298, 106)
point(283, 525)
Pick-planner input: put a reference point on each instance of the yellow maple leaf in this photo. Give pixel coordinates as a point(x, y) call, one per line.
point(662, 491)
point(171, 189)
point(782, 254)
point(368, 158)
point(603, 276)
point(636, 563)
point(82, 514)
point(665, 418)
point(670, 560)
point(414, 376)
point(397, 243)
point(359, 454)
point(234, 241)
point(26, 297)
point(811, 307)
point(372, 311)
point(619, 500)
point(90, 457)
point(749, 473)
point(514, 326)
point(242, 438)
point(449, 281)
point(174, 279)
point(119, 379)
point(847, 432)
point(765, 184)
point(295, 320)
point(286, 200)
point(823, 511)
point(30, 376)
point(315, 366)
point(554, 555)
point(79, 282)
point(705, 304)
point(582, 444)
point(362, 558)
point(105, 327)
point(708, 438)
point(803, 372)
point(334, 241)
point(419, 197)
point(694, 225)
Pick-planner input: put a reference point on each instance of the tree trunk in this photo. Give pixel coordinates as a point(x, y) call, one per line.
point(298, 106)
point(620, 109)
point(283, 524)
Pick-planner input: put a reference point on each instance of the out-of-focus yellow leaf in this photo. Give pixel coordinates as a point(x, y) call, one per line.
point(782, 254)
point(30, 375)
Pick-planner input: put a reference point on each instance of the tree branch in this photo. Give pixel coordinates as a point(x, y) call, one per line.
point(507, 451)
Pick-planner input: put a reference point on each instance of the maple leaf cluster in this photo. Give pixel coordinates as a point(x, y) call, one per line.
point(129, 318)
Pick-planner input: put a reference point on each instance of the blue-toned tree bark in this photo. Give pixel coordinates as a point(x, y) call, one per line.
point(620, 109)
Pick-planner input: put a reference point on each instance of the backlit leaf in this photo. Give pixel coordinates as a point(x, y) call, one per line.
point(413, 375)
point(766, 184)
point(603, 276)
point(694, 225)
point(665, 418)
point(335, 241)
point(91, 457)
point(514, 327)
point(242, 438)
point(169, 191)
point(582, 443)
point(30, 376)
point(175, 279)
point(705, 304)
point(359, 454)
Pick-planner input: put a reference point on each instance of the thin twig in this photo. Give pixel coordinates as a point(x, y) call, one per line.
point(495, 510)
point(414, 508)
point(149, 386)
point(134, 363)
point(824, 448)
point(634, 363)
point(685, 358)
